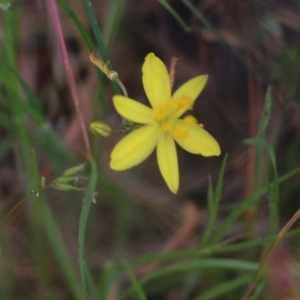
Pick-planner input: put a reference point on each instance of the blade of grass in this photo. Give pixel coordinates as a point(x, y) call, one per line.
point(85, 35)
point(90, 283)
point(259, 140)
point(98, 36)
point(136, 285)
point(213, 203)
point(247, 203)
point(225, 288)
point(257, 291)
point(219, 186)
point(212, 208)
point(194, 266)
point(177, 17)
point(105, 281)
point(274, 192)
point(215, 249)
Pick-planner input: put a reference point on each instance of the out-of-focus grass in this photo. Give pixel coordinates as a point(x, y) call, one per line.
point(223, 261)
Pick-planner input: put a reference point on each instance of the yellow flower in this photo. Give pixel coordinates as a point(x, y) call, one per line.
point(161, 125)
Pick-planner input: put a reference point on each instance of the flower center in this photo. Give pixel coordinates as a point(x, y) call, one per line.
point(174, 130)
point(178, 129)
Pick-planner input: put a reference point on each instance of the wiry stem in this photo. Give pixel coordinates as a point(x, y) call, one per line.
point(70, 75)
point(122, 87)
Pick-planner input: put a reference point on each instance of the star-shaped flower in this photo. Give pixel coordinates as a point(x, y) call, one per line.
point(161, 125)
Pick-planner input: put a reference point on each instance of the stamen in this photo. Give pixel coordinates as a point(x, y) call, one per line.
point(176, 132)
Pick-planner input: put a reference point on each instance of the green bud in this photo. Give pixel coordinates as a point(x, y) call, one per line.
point(63, 186)
point(74, 170)
point(100, 128)
point(64, 179)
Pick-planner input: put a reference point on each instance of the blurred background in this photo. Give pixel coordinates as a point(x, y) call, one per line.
point(245, 47)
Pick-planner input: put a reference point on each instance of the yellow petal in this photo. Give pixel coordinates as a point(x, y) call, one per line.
point(167, 161)
point(156, 80)
point(133, 110)
point(198, 141)
point(191, 88)
point(134, 148)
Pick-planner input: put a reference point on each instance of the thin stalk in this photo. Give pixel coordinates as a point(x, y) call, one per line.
point(70, 75)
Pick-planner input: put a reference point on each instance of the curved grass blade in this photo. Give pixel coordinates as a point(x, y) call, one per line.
point(225, 288)
point(136, 285)
point(191, 266)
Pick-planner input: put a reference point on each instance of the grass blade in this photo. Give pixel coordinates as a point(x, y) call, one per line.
point(225, 288)
point(136, 285)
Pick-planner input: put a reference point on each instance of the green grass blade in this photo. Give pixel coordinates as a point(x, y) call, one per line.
point(98, 36)
point(257, 291)
point(213, 203)
point(225, 288)
point(190, 266)
point(65, 6)
point(177, 17)
point(259, 140)
point(247, 203)
point(215, 249)
point(274, 193)
point(219, 186)
point(136, 285)
point(88, 197)
point(90, 283)
point(212, 208)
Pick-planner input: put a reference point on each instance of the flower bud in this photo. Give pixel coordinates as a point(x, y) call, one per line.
point(100, 128)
